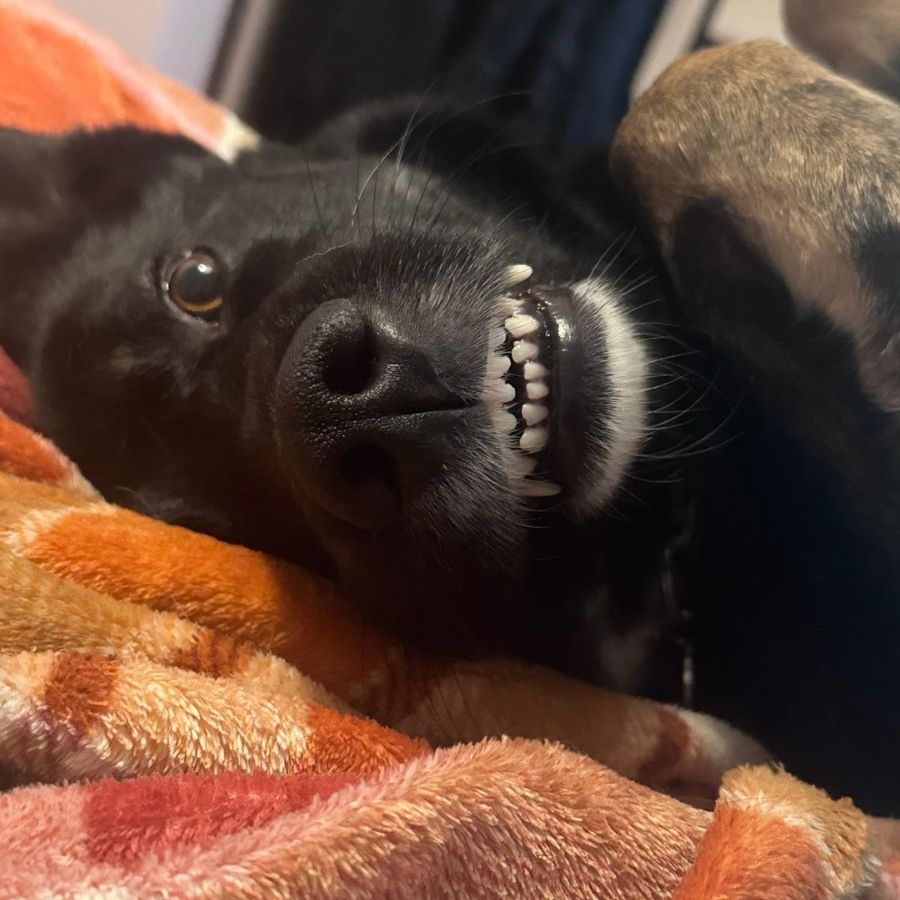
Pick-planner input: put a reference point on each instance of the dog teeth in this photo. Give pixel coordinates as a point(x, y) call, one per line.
point(536, 390)
point(540, 489)
point(533, 440)
point(498, 366)
point(523, 351)
point(533, 413)
point(505, 422)
point(528, 422)
point(513, 275)
point(521, 325)
point(534, 371)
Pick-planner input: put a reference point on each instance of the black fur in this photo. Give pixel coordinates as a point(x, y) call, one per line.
point(200, 425)
point(410, 215)
point(794, 565)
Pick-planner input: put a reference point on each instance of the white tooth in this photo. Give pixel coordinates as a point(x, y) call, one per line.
point(505, 422)
point(536, 390)
point(533, 413)
point(533, 440)
point(521, 325)
point(534, 371)
point(524, 350)
point(541, 489)
point(504, 392)
point(513, 275)
point(527, 464)
point(498, 366)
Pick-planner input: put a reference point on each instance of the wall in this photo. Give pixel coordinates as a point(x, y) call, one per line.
point(177, 37)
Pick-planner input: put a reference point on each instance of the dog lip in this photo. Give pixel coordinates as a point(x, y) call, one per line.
point(562, 346)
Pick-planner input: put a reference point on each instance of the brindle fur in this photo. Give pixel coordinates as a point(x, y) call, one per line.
point(755, 162)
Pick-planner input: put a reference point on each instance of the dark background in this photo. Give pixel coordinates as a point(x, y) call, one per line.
point(567, 63)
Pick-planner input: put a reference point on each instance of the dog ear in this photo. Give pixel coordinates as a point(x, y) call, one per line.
point(484, 145)
point(106, 172)
point(52, 188)
point(28, 183)
point(486, 148)
point(772, 189)
point(49, 185)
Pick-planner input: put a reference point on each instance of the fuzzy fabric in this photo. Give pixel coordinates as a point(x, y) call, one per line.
point(174, 652)
point(181, 717)
point(58, 75)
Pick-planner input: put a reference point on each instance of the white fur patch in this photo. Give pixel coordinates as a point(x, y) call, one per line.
point(626, 421)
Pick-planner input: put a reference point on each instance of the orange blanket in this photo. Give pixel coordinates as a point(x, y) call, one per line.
point(270, 743)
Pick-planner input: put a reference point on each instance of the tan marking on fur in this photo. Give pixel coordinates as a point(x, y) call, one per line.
point(752, 126)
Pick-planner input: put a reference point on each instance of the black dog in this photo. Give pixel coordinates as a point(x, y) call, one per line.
point(404, 354)
point(398, 354)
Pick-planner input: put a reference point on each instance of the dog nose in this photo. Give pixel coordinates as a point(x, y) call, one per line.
point(362, 414)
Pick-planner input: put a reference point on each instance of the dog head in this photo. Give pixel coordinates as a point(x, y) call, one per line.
point(355, 355)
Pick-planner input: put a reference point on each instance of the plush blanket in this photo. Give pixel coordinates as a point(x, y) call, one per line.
point(182, 717)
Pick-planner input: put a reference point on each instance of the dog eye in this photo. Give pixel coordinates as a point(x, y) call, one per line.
point(196, 285)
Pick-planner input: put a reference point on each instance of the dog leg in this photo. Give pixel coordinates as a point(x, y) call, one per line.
point(772, 187)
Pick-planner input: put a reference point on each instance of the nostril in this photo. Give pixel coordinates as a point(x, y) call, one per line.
point(371, 474)
point(348, 356)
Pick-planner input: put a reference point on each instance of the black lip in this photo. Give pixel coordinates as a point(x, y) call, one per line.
point(562, 350)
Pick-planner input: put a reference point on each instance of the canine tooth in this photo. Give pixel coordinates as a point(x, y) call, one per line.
point(527, 464)
point(524, 350)
point(533, 440)
point(536, 390)
point(541, 489)
point(504, 392)
point(505, 422)
point(498, 366)
point(521, 325)
point(533, 413)
point(513, 275)
point(534, 371)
